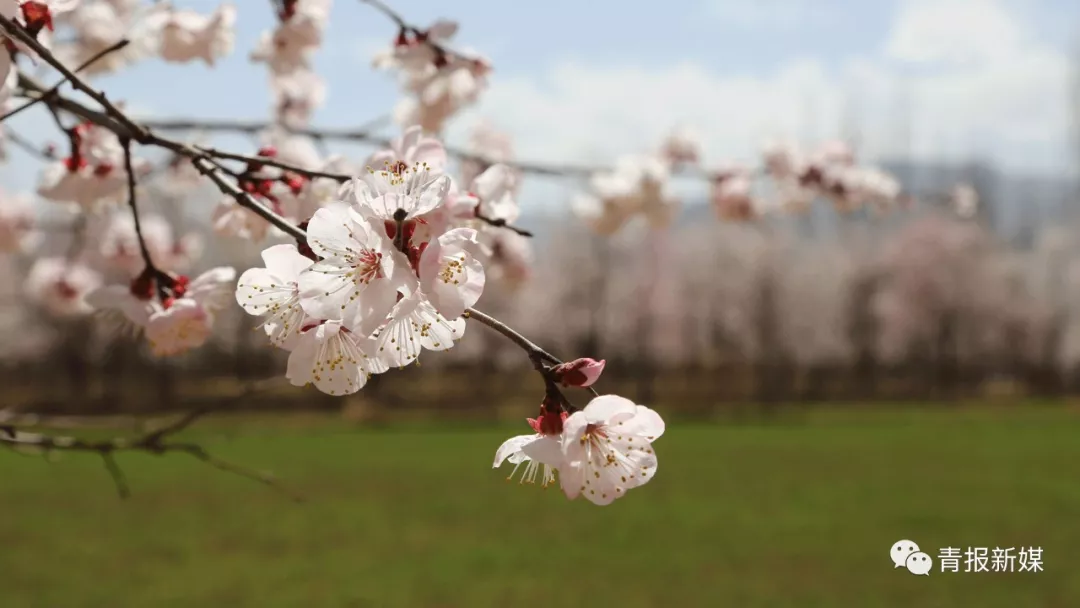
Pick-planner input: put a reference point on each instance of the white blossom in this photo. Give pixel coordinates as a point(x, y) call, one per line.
point(334, 359)
point(274, 293)
point(360, 274)
point(607, 449)
point(60, 286)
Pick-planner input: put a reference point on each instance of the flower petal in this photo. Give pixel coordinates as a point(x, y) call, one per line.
point(510, 447)
point(544, 449)
point(285, 261)
point(603, 408)
point(430, 196)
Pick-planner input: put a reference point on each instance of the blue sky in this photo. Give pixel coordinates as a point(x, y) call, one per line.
point(586, 81)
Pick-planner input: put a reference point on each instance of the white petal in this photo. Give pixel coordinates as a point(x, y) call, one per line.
point(326, 289)
point(258, 290)
point(645, 423)
point(510, 447)
point(370, 310)
point(494, 182)
point(285, 261)
point(601, 409)
point(118, 297)
point(431, 196)
point(545, 449)
point(573, 429)
point(414, 325)
point(330, 232)
point(332, 359)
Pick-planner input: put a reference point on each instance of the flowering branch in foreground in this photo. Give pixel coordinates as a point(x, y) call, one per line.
point(392, 266)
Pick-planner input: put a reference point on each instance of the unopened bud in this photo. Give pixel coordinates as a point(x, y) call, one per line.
point(549, 422)
point(580, 372)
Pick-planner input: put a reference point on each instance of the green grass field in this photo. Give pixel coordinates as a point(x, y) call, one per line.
point(799, 511)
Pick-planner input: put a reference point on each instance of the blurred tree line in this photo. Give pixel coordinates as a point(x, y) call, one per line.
point(918, 305)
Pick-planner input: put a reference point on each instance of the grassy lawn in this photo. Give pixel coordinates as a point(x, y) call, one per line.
point(800, 511)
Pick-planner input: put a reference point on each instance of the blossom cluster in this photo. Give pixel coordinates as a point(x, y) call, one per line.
point(438, 82)
point(385, 272)
point(638, 185)
point(376, 268)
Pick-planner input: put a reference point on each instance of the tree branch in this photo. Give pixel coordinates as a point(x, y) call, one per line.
point(366, 136)
point(56, 88)
point(536, 354)
point(154, 442)
point(26, 145)
point(135, 208)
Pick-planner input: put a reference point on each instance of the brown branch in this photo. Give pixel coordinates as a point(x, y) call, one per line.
point(364, 133)
point(122, 487)
point(13, 29)
point(132, 186)
point(116, 121)
point(499, 222)
point(440, 50)
point(56, 88)
point(366, 136)
point(200, 160)
point(154, 442)
point(536, 354)
point(26, 145)
point(271, 162)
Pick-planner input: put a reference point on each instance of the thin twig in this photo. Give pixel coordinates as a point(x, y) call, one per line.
point(440, 50)
point(262, 477)
point(271, 162)
point(132, 186)
point(363, 133)
point(200, 160)
point(26, 145)
point(117, 474)
point(13, 29)
point(366, 136)
point(536, 354)
point(55, 88)
point(117, 121)
point(154, 442)
point(499, 222)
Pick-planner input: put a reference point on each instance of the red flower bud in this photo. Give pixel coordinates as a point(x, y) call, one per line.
point(548, 422)
point(142, 286)
point(180, 285)
point(580, 372)
point(37, 17)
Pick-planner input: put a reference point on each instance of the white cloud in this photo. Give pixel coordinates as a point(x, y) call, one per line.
point(953, 31)
point(1014, 110)
point(580, 112)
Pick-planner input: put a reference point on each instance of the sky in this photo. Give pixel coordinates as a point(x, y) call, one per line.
point(941, 80)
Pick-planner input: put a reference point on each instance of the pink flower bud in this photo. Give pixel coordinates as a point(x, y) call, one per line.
point(549, 422)
point(580, 372)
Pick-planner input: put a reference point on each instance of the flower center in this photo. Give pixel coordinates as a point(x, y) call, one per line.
point(65, 290)
point(593, 433)
point(368, 266)
point(452, 270)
